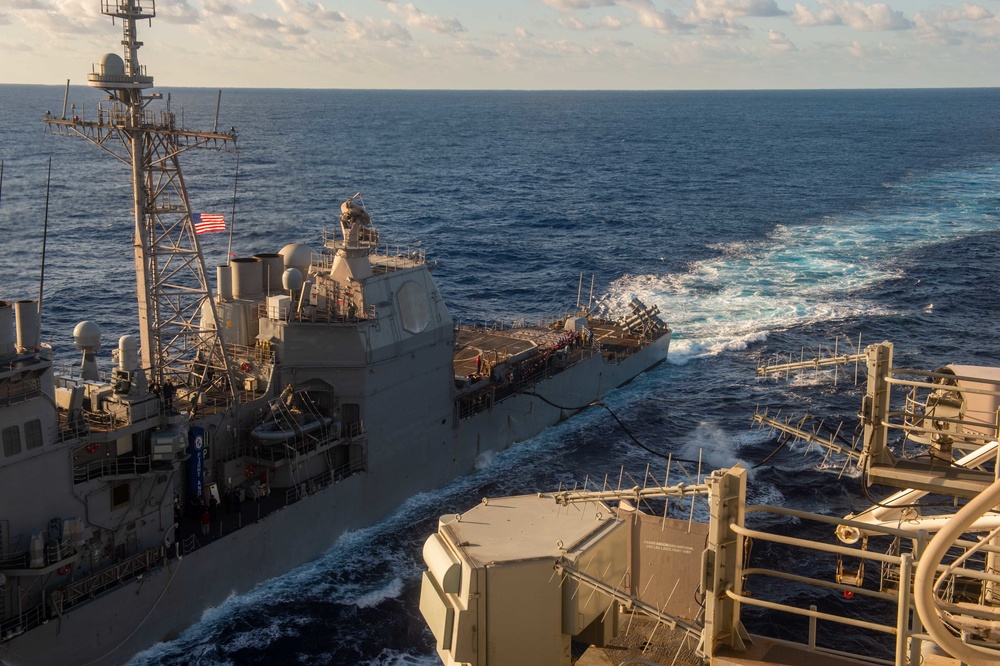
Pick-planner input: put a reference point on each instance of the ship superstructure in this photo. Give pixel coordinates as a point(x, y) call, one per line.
point(245, 427)
point(919, 565)
point(171, 280)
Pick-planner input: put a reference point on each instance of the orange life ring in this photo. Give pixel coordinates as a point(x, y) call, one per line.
point(245, 366)
point(249, 471)
point(92, 447)
point(63, 570)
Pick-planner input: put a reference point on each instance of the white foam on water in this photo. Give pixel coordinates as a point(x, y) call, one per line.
point(811, 273)
point(836, 465)
point(375, 597)
point(765, 493)
point(393, 658)
point(261, 637)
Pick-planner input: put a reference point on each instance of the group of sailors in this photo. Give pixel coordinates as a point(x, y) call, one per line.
point(571, 340)
point(165, 394)
point(205, 512)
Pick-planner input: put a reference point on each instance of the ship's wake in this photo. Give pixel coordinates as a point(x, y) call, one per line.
point(814, 273)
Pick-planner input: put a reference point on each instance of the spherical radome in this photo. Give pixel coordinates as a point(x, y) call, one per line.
point(112, 65)
point(291, 279)
point(87, 335)
point(297, 256)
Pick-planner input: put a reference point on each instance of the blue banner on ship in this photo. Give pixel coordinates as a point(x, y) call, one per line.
point(196, 462)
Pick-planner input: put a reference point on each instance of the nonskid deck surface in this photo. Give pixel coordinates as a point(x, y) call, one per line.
point(501, 344)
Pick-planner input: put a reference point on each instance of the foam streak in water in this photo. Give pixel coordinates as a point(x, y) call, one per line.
point(811, 273)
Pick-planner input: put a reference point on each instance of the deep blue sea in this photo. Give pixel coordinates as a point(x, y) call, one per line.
point(759, 222)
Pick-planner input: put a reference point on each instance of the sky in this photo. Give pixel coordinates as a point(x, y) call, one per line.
point(519, 44)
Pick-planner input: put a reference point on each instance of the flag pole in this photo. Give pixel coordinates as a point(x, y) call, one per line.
point(232, 217)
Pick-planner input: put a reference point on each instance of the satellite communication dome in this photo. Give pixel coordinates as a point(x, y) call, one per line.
point(297, 256)
point(87, 336)
point(291, 279)
point(112, 65)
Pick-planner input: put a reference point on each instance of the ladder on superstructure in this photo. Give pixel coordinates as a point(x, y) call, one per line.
point(174, 296)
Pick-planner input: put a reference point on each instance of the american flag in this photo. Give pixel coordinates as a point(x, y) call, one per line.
point(206, 223)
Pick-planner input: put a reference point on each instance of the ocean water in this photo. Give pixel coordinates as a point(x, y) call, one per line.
point(759, 222)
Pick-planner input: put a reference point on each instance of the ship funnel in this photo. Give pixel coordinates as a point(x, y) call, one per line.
point(246, 278)
point(224, 279)
point(6, 329)
point(27, 325)
point(87, 338)
point(272, 267)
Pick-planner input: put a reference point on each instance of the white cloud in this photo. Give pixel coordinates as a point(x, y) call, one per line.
point(878, 16)
point(938, 27)
point(991, 31)
point(60, 18)
point(467, 48)
point(856, 15)
point(605, 23)
point(297, 20)
point(418, 19)
point(867, 52)
point(728, 9)
point(723, 28)
point(373, 30)
point(649, 17)
point(802, 16)
point(178, 12)
point(932, 31)
point(311, 15)
point(570, 5)
point(779, 41)
point(967, 12)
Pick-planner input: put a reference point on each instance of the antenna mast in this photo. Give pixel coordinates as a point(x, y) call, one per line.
point(177, 313)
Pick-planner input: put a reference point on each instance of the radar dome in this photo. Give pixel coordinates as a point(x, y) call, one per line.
point(297, 256)
point(291, 279)
point(87, 335)
point(112, 65)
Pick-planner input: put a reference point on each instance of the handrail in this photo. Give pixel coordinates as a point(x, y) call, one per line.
point(924, 582)
point(839, 619)
point(888, 531)
point(65, 598)
point(126, 466)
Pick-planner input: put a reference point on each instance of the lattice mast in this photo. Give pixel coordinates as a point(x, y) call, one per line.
point(172, 287)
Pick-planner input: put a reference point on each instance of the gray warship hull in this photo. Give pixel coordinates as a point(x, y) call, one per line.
point(163, 600)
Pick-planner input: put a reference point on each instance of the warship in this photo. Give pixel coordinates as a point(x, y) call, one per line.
point(665, 568)
point(244, 428)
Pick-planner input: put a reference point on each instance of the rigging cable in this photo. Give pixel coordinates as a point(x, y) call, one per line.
point(614, 416)
point(781, 445)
